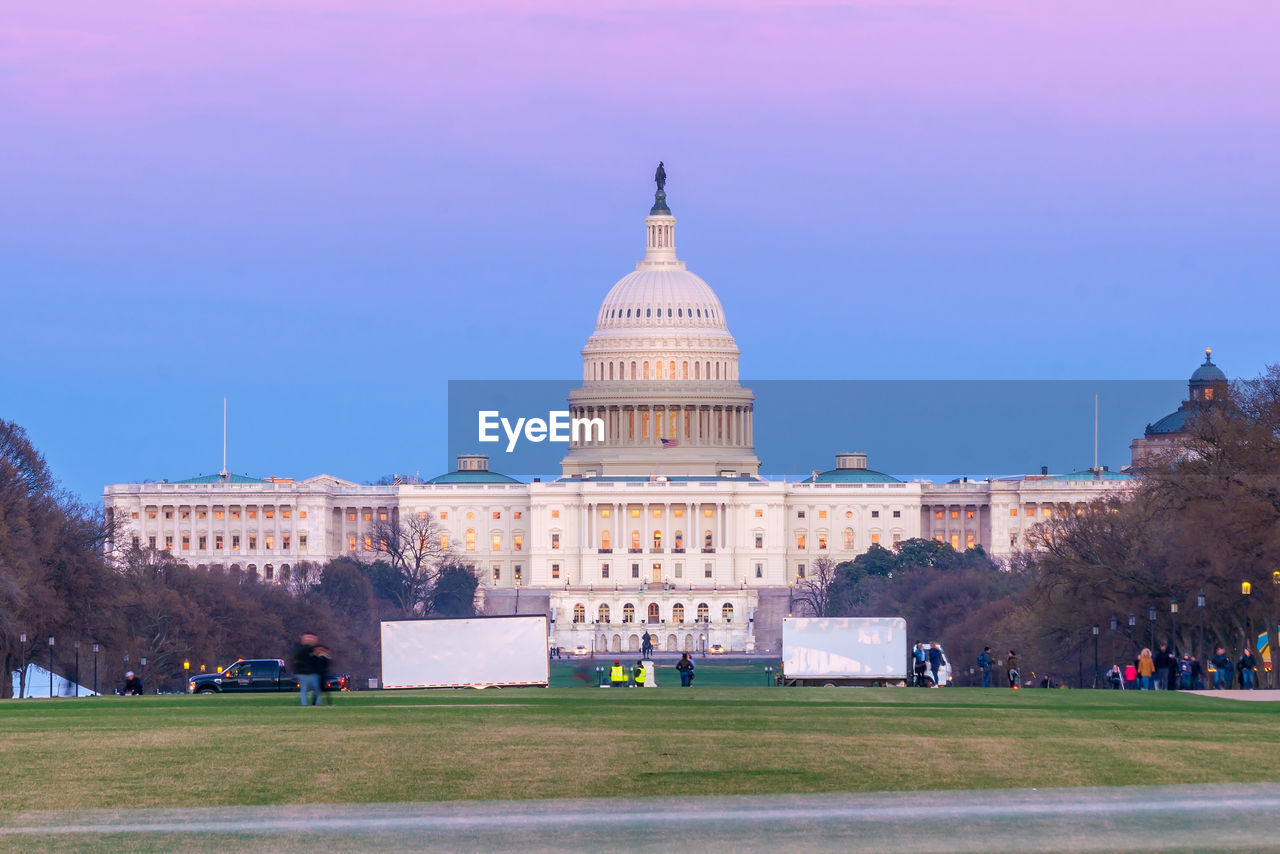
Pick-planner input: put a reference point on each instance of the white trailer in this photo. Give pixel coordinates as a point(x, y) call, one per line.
point(467, 652)
point(844, 651)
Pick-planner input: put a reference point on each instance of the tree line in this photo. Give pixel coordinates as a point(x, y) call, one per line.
point(58, 580)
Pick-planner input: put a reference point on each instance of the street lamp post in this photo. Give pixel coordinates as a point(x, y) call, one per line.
point(1173, 617)
point(1246, 589)
point(1151, 618)
point(95, 668)
point(22, 652)
point(1133, 622)
point(50, 665)
point(1273, 630)
point(143, 662)
point(1095, 655)
point(77, 671)
point(1200, 610)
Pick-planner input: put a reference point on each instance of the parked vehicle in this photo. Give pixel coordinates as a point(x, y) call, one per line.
point(831, 651)
point(257, 675)
point(717, 649)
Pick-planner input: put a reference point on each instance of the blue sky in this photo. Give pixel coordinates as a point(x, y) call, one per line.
point(326, 211)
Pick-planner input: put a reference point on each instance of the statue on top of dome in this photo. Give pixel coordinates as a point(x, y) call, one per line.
point(660, 197)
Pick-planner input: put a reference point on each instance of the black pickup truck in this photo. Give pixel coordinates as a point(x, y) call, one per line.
point(256, 675)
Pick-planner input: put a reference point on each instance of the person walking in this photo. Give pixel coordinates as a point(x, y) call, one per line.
point(1011, 664)
point(685, 667)
point(1164, 663)
point(985, 662)
point(1248, 667)
point(1222, 670)
point(935, 661)
point(1197, 675)
point(304, 667)
point(617, 675)
point(1146, 669)
point(920, 663)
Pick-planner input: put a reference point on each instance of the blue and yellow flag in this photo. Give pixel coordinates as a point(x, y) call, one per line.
point(1264, 648)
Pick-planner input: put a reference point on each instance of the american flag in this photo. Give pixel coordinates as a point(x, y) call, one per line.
point(670, 443)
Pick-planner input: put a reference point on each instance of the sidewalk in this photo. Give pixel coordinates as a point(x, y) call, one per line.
point(1269, 694)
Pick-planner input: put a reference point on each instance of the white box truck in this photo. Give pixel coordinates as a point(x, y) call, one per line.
point(465, 652)
point(844, 651)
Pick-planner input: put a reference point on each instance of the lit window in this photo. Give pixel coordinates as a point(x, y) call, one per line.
point(444, 542)
point(497, 542)
point(302, 514)
point(517, 515)
point(677, 613)
point(822, 541)
point(203, 542)
point(848, 539)
point(269, 513)
point(1031, 511)
point(497, 514)
point(217, 542)
point(968, 514)
point(253, 542)
point(955, 541)
point(186, 542)
point(759, 513)
point(635, 512)
point(471, 515)
point(875, 539)
point(800, 541)
point(657, 540)
point(151, 514)
point(969, 541)
point(517, 542)
point(422, 516)
point(579, 613)
point(707, 512)
point(1013, 511)
point(368, 515)
point(604, 570)
point(235, 514)
point(284, 542)
point(382, 515)
point(235, 542)
point(937, 514)
point(351, 515)
point(185, 514)
point(555, 514)
point(497, 572)
point(253, 514)
point(604, 512)
point(726, 613)
point(444, 514)
point(555, 542)
point(469, 540)
point(270, 542)
point(628, 613)
point(133, 515)
point(368, 544)
point(657, 512)
point(679, 540)
point(1048, 511)
point(168, 514)
point(678, 512)
point(285, 513)
point(822, 514)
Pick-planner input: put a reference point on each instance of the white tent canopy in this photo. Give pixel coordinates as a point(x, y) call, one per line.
point(38, 684)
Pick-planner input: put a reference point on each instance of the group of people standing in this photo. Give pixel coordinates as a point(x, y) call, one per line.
point(1166, 671)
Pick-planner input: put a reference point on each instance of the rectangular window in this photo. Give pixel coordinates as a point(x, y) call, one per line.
point(284, 542)
point(497, 514)
point(133, 515)
point(253, 542)
point(822, 514)
point(444, 515)
point(1031, 511)
point(270, 542)
point(302, 514)
point(218, 514)
point(137, 541)
point(706, 570)
point(382, 515)
point(517, 542)
point(799, 514)
point(203, 542)
point(1048, 511)
point(955, 541)
point(253, 514)
point(235, 514)
point(497, 572)
point(875, 538)
point(517, 515)
point(202, 513)
point(1013, 511)
point(168, 514)
point(351, 544)
point(151, 542)
point(368, 544)
point(759, 570)
point(635, 512)
point(759, 541)
point(555, 542)
point(555, 570)
point(759, 513)
point(269, 513)
point(604, 570)
point(497, 542)
point(937, 514)
point(897, 514)
point(351, 515)
point(968, 514)
point(168, 543)
point(969, 541)
point(368, 515)
point(800, 570)
point(151, 514)
point(555, 514)
point(678, 512)
point(444, 542)
point(186, 542)
point(285, 513)
point(235, 542)
point(875, 514)
point(635, 570)
point(955, 514)
point(822, 541)
point(302, 542)
point(217, 542)
point(897, 538)
point(185, 515)
point(657, 512)
point(706, 512)
point(679, 570)
point(800, 541)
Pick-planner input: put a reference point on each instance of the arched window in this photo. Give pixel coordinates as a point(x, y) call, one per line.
point(684, 370)
point(628, 613)
point(611, 370)
point(470, 540)
point(657, 540)
point(717, 370)
point(679, 539)
point(672, 369)
point(633, 370)
point(604, 539)
point(579, 613)
point(677, 613)
point(726, 613)
point(848, 539)
point(697, 370)
point(604, 613)
point(657, 370)
point(653, 612)
point(706, 540)
point(646, 370)
point(269, 571)
point(704, 612)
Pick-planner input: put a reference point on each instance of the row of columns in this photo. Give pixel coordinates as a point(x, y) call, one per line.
point(210, 527)
point(645, 425)
point(693, 530)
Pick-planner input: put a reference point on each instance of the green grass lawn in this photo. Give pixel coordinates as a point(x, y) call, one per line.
point(590, 742)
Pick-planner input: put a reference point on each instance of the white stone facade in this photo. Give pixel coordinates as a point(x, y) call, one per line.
point(663, 525)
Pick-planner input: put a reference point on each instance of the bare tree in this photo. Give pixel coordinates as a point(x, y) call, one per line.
point(815, 592)
point(412, 546)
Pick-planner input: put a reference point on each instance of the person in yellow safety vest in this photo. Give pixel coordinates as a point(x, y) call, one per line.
point(637, 674)
point(617, 675)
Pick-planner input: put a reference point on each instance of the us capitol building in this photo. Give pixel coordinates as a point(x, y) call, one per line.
point(663, 524)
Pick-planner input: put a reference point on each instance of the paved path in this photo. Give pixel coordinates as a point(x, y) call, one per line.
point(1125, 819)
point(1264, 695)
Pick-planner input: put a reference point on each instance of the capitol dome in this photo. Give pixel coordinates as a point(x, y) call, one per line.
point(661, 299)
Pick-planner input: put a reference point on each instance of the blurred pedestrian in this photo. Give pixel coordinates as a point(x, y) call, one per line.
point(1163, 661)
point(1115, 678)
point(1146, 669)
point(985, 662)
point(132, 685)
point(321, 658)
point(1222, 676)
point(1131, 675)
point(935, 661)
point(685, 668)
point(1011, 663)
point(304, 667)
point(1248, 669)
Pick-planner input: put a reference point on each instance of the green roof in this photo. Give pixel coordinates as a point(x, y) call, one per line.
point(1087, 474)
point(475, 476)
point(217, 478)
point(855, 476)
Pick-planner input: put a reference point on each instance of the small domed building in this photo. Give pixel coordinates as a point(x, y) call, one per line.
point(1208, 386)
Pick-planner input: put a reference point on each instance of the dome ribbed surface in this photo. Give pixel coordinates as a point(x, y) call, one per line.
point(662, 299)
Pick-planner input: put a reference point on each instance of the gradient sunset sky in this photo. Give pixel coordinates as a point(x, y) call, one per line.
point(326, 210)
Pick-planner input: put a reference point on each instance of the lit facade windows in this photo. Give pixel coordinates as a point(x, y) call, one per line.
point(469, 540)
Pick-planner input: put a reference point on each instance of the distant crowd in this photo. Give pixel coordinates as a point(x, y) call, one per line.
point(1166, 671)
